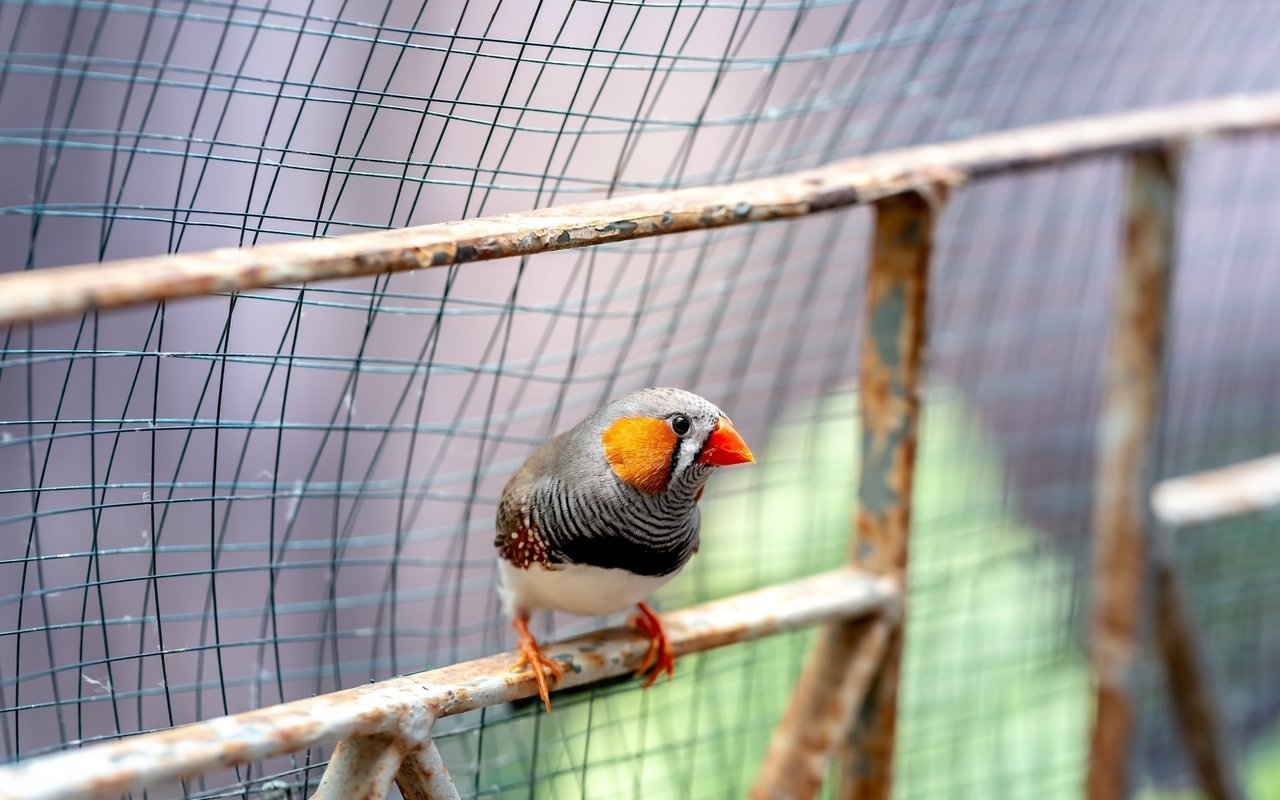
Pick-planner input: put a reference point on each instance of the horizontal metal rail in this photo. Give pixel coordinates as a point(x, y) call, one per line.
point(404, 709)
point(1216, 494)
point(63, 291)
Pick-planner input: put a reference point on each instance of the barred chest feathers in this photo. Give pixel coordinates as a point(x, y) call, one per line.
point(593, 554)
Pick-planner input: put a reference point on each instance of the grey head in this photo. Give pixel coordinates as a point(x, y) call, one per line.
point(654, 439)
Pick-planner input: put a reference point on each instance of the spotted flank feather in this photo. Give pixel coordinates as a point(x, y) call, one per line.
point(523, 547)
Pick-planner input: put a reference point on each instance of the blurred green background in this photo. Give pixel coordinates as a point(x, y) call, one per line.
point(996, 697)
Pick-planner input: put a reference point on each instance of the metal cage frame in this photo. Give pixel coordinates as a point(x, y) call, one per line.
point(844, 703)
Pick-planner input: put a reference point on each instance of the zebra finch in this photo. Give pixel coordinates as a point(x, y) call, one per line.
point(606, 513)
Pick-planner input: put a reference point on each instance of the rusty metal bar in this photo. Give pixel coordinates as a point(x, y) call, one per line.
point(1190, 692)
point(866, 757)
point(423, 776)
point(845, 659)
point(361, 768)
point(1134, 572)
point(1122, 573)
point(889, 384)
point(1236, 490)
point(64, 291)
point(364, 767)
point(405, 708)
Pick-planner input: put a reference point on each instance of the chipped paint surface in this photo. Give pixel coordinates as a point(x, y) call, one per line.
point(397, 714)
point(64, 291)
point(889, 379)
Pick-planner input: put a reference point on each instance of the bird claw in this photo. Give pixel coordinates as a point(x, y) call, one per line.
point(531, 656)
point(660, 657)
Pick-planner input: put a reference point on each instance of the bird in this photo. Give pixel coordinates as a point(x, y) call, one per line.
point(606, 513)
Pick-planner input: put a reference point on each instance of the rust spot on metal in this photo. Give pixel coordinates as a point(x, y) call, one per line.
point(295, 737)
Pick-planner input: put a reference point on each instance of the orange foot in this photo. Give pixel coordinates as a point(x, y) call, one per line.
point(531, 656)
point(660, 657)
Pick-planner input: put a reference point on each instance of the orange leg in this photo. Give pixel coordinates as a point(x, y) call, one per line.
point(660, 656)
point(531, 656)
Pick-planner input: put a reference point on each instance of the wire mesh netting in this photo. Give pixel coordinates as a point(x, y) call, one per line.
point(220, 504)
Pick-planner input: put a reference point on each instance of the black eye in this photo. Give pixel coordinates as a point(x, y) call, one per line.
point(680, 424)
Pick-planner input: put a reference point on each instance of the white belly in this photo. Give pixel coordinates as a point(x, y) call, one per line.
point(574, 588)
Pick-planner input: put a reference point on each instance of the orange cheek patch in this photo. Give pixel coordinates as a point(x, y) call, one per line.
point(639, 451)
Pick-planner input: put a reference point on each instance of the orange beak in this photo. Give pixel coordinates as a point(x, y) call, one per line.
point(725, 447)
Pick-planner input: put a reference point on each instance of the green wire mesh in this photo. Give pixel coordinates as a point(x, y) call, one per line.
point(215, 505)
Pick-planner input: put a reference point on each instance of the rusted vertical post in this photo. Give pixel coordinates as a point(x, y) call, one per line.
point(889, 391)
point(1133, 572)
point(1122, 575)
point(836, 678)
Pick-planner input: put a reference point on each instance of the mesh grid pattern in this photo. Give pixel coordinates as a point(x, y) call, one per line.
point(224, 503)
